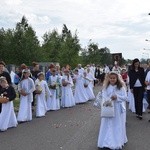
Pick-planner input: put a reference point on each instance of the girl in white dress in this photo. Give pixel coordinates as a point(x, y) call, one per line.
point(88, 85)
point(25, 89)
point(112, 132)
point(53, 102)
point(42, 92)
point(80, 94)
point(90, 77)
point(7, 116)
point(67, 98)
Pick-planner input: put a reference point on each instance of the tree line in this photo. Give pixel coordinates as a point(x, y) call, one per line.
point(21, 45)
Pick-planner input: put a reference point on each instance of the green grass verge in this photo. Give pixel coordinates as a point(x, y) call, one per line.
point(16, 104)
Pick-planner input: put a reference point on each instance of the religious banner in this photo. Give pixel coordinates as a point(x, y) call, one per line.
point(116, 58)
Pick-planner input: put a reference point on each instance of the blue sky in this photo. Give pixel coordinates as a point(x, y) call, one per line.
point(120, 25)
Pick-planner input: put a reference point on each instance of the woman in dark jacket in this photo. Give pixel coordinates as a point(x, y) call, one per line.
point(137, 86)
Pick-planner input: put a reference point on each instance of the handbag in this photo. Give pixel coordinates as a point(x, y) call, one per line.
point(107, 109)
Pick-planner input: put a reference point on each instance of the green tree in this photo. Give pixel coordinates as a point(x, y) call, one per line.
point(6, 45)
point(70, 48)
point(106, 57)
point(84, 56)
point(25, 43)
point(21, 45)
point(51, 46)
point(2, 45)
point(96, 55)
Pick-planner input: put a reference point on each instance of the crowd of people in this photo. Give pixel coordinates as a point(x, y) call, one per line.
point(62, 88)
point(41, 92)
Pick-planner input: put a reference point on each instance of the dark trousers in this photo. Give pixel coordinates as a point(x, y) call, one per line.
point(33, 103)
point(138, 93)
point(148, 98)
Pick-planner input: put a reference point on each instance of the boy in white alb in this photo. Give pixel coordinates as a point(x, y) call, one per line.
point(53, 102)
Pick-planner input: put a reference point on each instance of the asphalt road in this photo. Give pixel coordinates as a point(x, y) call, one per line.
point(73, 128)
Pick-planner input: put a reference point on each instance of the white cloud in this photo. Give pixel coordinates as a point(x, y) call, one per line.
point(13, 2)
point(38, 20)
point(121, 25)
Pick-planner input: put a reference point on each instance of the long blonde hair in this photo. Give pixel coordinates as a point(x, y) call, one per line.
point(120, 83)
